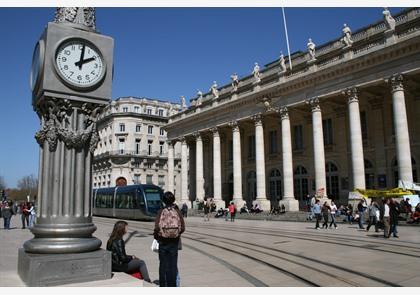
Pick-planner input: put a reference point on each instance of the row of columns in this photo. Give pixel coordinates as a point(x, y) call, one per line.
point(357, 157)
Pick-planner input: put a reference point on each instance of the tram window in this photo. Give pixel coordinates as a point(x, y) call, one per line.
point(125, 201)
point(153, 199)
point(103, 201)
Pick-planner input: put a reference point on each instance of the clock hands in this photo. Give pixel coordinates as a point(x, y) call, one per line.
point(83, 61)
point(82, 55)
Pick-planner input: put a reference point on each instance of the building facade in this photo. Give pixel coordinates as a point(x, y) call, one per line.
point(133, 146)
point(344, 117)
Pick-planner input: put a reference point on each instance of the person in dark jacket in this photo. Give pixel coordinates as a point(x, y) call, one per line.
point(121, 262)
point(325, 212)
point(168, 247)
point(7, 213)
point(394, 211)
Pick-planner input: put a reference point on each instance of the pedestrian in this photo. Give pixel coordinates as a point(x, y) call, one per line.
point(7, 213)
point(325, 211)
point(206, 210)
point(385, 217)
point(24, 214)
point(169, 225)
point(361, 207)
point(333, 211)
point(350, 214)
point(394, 212)
point(232, 211)
point(184, 210)
point(32, 214)
point(121, 262)
point(317, 212)
point(373, 211)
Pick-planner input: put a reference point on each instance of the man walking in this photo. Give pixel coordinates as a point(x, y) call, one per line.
point(385, 217)
point(373, 216)
point(317, 212)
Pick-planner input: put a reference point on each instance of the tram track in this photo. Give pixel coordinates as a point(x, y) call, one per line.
point(318, 239)
point(306, 269)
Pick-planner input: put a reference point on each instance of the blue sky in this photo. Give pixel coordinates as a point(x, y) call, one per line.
point(159, 53)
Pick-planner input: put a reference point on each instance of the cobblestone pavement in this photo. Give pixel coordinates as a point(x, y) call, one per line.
point(248, 253)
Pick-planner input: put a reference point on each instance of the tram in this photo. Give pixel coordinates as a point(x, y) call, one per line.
point(140, 202)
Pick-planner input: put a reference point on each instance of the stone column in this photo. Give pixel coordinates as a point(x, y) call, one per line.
point(171, 167)
point(184, 173)
point(260, 163)
point(289, 201)
point(237, 165)
point(217, 169)
point(199, 168)
point(402, 140)
point(356, 142)
point(67, 139)
point(318, 142)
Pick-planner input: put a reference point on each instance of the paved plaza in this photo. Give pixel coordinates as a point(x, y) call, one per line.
point(248, 253)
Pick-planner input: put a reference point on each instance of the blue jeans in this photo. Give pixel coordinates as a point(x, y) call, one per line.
point(7, 222)
point(361, 215)
point(168, 264)
point(393, 231)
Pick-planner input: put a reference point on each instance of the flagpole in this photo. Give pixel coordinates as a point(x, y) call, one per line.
point(287, 38)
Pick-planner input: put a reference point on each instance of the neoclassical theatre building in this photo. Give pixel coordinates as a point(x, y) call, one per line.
point(345, 116)
point(133, 147)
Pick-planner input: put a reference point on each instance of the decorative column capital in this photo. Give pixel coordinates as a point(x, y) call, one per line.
point(79, 16)
point(284, 113)
point(234, 125)
point(170, 142)
point(182, 139)
point(215, 131)
point(396, 82)
point(197, 135)
point(314, 103)
point(257, 118)
point(351, 93)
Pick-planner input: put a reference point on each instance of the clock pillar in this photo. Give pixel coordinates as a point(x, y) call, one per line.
point(64, 249)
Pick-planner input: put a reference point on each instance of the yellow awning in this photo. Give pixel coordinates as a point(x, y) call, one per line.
point(393, 193)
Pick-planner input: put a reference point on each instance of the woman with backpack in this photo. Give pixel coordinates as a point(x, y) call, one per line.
point(121, 262)
point(169, 225)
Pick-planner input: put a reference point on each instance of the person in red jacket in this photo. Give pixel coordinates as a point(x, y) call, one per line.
point(232, 211)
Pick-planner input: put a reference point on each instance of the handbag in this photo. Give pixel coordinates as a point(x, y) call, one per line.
point(155, 246)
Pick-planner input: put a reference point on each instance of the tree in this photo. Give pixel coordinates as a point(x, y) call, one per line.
point(28, 185)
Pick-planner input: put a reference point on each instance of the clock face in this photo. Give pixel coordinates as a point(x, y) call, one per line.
point(37, 64)
point(79, 63)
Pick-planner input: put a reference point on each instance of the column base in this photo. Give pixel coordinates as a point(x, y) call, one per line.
point(239, 203)
point(290, 204)
point(38, 270)
point(219, 204)
point(265, 204)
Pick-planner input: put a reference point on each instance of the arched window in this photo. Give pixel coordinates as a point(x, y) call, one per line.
point(369, 175)
point(274, 186)
point(301, 183)
point(396, 174)
point(121, 181)
point(252, 187)
point(333, 189)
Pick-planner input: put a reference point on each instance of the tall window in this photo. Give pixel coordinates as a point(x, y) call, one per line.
point(369, 175)
point(363, 124)
point(137, 146)
point(298, 138)
point(160, 113)
point(273, 141)
point(150, 129)
point(161, 131)
point(149, 179)
point(332, 180)
point(251, 147)
point(161, 148)
point(149, 111)
point(149, 146)
point(136, 179)
point(161, 180)
point(121, 145)
point(328, 132)
point(138, 128)
point(301, 183)
point(230, 152)
point(125, 109)
point(136, 109)
point(122, 127)
point(275, 186)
